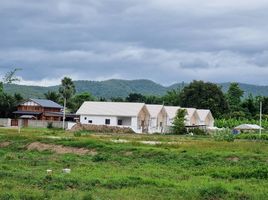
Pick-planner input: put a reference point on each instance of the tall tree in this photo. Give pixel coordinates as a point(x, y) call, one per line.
point(234, 95)
point(67, 90)
point(10, 77)
point(202, 95)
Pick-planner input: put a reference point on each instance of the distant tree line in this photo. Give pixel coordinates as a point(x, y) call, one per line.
point(198, 94)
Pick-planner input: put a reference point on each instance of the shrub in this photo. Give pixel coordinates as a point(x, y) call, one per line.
point(50, 125)
point(6, 196)
point(224, 135)
point(198, 131)
point(213, 192)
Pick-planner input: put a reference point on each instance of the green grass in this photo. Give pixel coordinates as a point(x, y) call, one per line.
point(188, 168)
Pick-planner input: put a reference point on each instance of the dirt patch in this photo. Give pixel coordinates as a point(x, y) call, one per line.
point(59, 149)
point(100, 128)
point(4, 144)
point(128, 153)
point(233, 159)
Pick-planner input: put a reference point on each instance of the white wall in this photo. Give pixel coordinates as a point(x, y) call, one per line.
point(6, 122)
point(131, 122)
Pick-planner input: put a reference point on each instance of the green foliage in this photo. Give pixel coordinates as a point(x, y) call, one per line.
point(172, 97)
point(231, 123)
point(67, 88)
point(204, 95)
point(224, 135)
point(197, 131)
point(178, 126)
point(213, 192)
point(234, 95)
point(50, 125)
point(53, 96)
point(79, 99)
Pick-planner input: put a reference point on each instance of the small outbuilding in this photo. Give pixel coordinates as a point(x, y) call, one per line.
point(248, 127)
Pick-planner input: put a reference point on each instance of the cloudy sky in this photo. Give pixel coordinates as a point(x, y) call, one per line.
point(166, 41)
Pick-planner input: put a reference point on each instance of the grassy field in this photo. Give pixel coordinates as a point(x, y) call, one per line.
point(131, 167)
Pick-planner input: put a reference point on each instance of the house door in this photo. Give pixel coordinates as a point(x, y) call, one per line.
point(25, 122)
point(142, 125)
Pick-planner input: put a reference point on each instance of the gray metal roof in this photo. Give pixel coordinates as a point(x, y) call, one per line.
point(46, 103)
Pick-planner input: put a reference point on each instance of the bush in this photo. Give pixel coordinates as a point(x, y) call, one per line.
point(50, 125)
point(224, 135)
point(213, 192)
point(197, 131)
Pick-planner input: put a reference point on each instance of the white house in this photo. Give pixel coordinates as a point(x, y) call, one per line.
point(206, 117)
point(192, 117)
point(132, 115)
point(158, 118)
point(171, 113)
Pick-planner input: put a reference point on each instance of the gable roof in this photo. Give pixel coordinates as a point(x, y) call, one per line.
point(154, 110)
point(190, 111)
point(172, 111)
point(110, 109)
point(46, 103)
point(203, 113)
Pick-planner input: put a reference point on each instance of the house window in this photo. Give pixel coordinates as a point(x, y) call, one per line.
point(120, 122)
point(161, 124)
point(107, 121)
point(89, 121)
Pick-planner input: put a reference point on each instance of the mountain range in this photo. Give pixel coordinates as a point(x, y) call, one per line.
point(121, 88)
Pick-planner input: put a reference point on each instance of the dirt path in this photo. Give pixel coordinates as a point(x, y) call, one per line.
point(59, 149)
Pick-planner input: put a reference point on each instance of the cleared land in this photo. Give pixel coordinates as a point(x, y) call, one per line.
point(129, 166)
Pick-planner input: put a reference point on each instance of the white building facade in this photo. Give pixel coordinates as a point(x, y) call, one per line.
point(130, 115)
point(158, 118)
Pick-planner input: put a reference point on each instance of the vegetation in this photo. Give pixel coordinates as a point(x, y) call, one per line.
point(180, 167)
point(178, 126)
point(122, 88)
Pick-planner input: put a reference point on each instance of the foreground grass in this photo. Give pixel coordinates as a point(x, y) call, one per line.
point(190, 168)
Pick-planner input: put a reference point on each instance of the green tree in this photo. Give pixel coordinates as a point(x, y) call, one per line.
point(79, 99)
point(53, 96)
point(135, 97)
point(202, 95)
point(250, 106)
point(172, 98)
point(178, 127)
point(234, 95)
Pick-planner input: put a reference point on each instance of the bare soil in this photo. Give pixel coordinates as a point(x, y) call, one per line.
point(59, 149)
point(4, 144)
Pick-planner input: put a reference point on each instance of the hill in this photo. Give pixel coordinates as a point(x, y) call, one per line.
point(121, 88)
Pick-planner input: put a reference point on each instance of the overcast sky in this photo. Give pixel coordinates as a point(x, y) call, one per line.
point(166, 41)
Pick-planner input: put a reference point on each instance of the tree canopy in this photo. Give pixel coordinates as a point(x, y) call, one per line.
point(202, 95)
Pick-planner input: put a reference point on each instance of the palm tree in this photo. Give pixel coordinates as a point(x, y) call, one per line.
point(66, 90)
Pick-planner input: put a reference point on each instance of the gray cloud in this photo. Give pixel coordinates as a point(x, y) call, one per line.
point(163, 40)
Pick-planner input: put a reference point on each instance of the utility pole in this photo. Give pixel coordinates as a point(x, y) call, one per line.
point(260, 116)
point(64, 113)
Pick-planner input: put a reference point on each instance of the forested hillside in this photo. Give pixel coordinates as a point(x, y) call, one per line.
point(121, 88)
